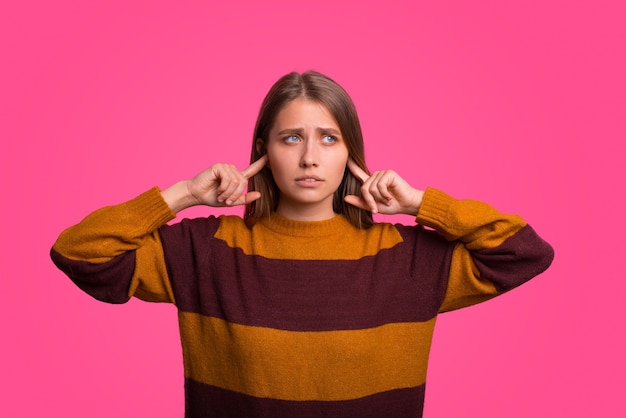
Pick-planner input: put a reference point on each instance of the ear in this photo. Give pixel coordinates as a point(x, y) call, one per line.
point(261, 149)
point(260, 146)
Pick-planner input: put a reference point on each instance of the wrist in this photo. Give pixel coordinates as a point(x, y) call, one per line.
point(178, 196)
point(416, 203)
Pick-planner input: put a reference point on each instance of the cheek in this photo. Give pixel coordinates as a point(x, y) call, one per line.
point(274, 158)
point(341, 159)
point(339, 165)
point(276, 164)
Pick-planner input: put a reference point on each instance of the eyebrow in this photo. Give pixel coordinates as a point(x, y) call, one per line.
point(332, 131)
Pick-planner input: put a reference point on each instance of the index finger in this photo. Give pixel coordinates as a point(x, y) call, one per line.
point(255, 167)
point(357, 171)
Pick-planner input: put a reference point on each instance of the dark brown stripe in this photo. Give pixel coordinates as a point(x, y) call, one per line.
point(107, 282)
point(309, 295)
point(515, 261)
point(208, 401)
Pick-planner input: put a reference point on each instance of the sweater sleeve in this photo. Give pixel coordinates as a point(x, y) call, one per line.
point(494, 252)
point(115, 252)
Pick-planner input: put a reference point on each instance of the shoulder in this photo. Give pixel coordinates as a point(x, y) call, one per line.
point(205, 227)
point(419, 236)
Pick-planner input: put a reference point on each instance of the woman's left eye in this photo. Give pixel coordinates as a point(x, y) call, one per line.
point(329, 139)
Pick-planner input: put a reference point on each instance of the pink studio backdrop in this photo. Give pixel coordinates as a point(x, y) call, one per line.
point(520, 104)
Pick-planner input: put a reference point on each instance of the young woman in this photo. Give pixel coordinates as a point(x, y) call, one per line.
point(305, 306)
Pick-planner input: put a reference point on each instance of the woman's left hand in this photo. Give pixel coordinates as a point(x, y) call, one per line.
point(384, 192)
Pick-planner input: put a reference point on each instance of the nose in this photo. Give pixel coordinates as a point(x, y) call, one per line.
point(310, 154)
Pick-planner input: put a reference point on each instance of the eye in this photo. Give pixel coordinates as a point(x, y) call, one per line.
point(290, 139)
point(329, 139)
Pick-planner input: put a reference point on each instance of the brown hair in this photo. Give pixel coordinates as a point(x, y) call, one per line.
point(314, 86)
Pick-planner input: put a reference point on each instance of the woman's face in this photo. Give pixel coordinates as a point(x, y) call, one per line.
point(307, 156)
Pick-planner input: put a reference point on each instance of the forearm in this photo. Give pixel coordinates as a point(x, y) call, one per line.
point(113, 230)
point(476, 224)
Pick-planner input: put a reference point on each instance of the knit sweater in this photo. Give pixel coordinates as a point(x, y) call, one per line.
point(306, 319)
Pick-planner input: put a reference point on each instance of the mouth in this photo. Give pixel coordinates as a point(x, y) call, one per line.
point(309, 181)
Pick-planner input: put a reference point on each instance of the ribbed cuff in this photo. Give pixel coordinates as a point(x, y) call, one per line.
point(153, 208)
point(435, 209)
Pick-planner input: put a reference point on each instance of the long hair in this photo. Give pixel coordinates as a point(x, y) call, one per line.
point(314, 86)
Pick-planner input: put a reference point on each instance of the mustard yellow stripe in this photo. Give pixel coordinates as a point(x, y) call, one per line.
point(465, 286)
point(299, 366)
point(343, 242)
point(150, 280)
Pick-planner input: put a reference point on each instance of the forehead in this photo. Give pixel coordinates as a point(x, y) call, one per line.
point(302, 113)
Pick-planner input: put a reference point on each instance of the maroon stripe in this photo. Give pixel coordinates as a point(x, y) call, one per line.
point(107, 282)
point(208, 401)
point(515, 261)
point(308, 295)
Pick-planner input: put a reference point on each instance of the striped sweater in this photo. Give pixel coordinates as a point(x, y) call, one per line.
point(306, 319)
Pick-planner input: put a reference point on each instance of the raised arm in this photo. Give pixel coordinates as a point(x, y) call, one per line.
point(494, 252)
point(115, 252)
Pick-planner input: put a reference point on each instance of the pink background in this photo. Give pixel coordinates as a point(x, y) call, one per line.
point(520, 104)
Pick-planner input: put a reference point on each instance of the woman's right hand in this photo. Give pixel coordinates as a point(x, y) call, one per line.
point(219, 185)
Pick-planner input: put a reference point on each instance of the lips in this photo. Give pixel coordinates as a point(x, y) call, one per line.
point(308, 181)
point(308, 178)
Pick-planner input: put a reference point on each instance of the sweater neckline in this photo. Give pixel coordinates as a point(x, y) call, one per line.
point(279, 224)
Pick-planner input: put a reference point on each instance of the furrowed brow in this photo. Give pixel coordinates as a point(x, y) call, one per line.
point(290, 131)
point(332, 131)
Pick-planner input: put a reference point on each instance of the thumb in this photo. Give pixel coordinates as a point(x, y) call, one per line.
point(356, 201)
point(244, 199)
point(252, 196)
